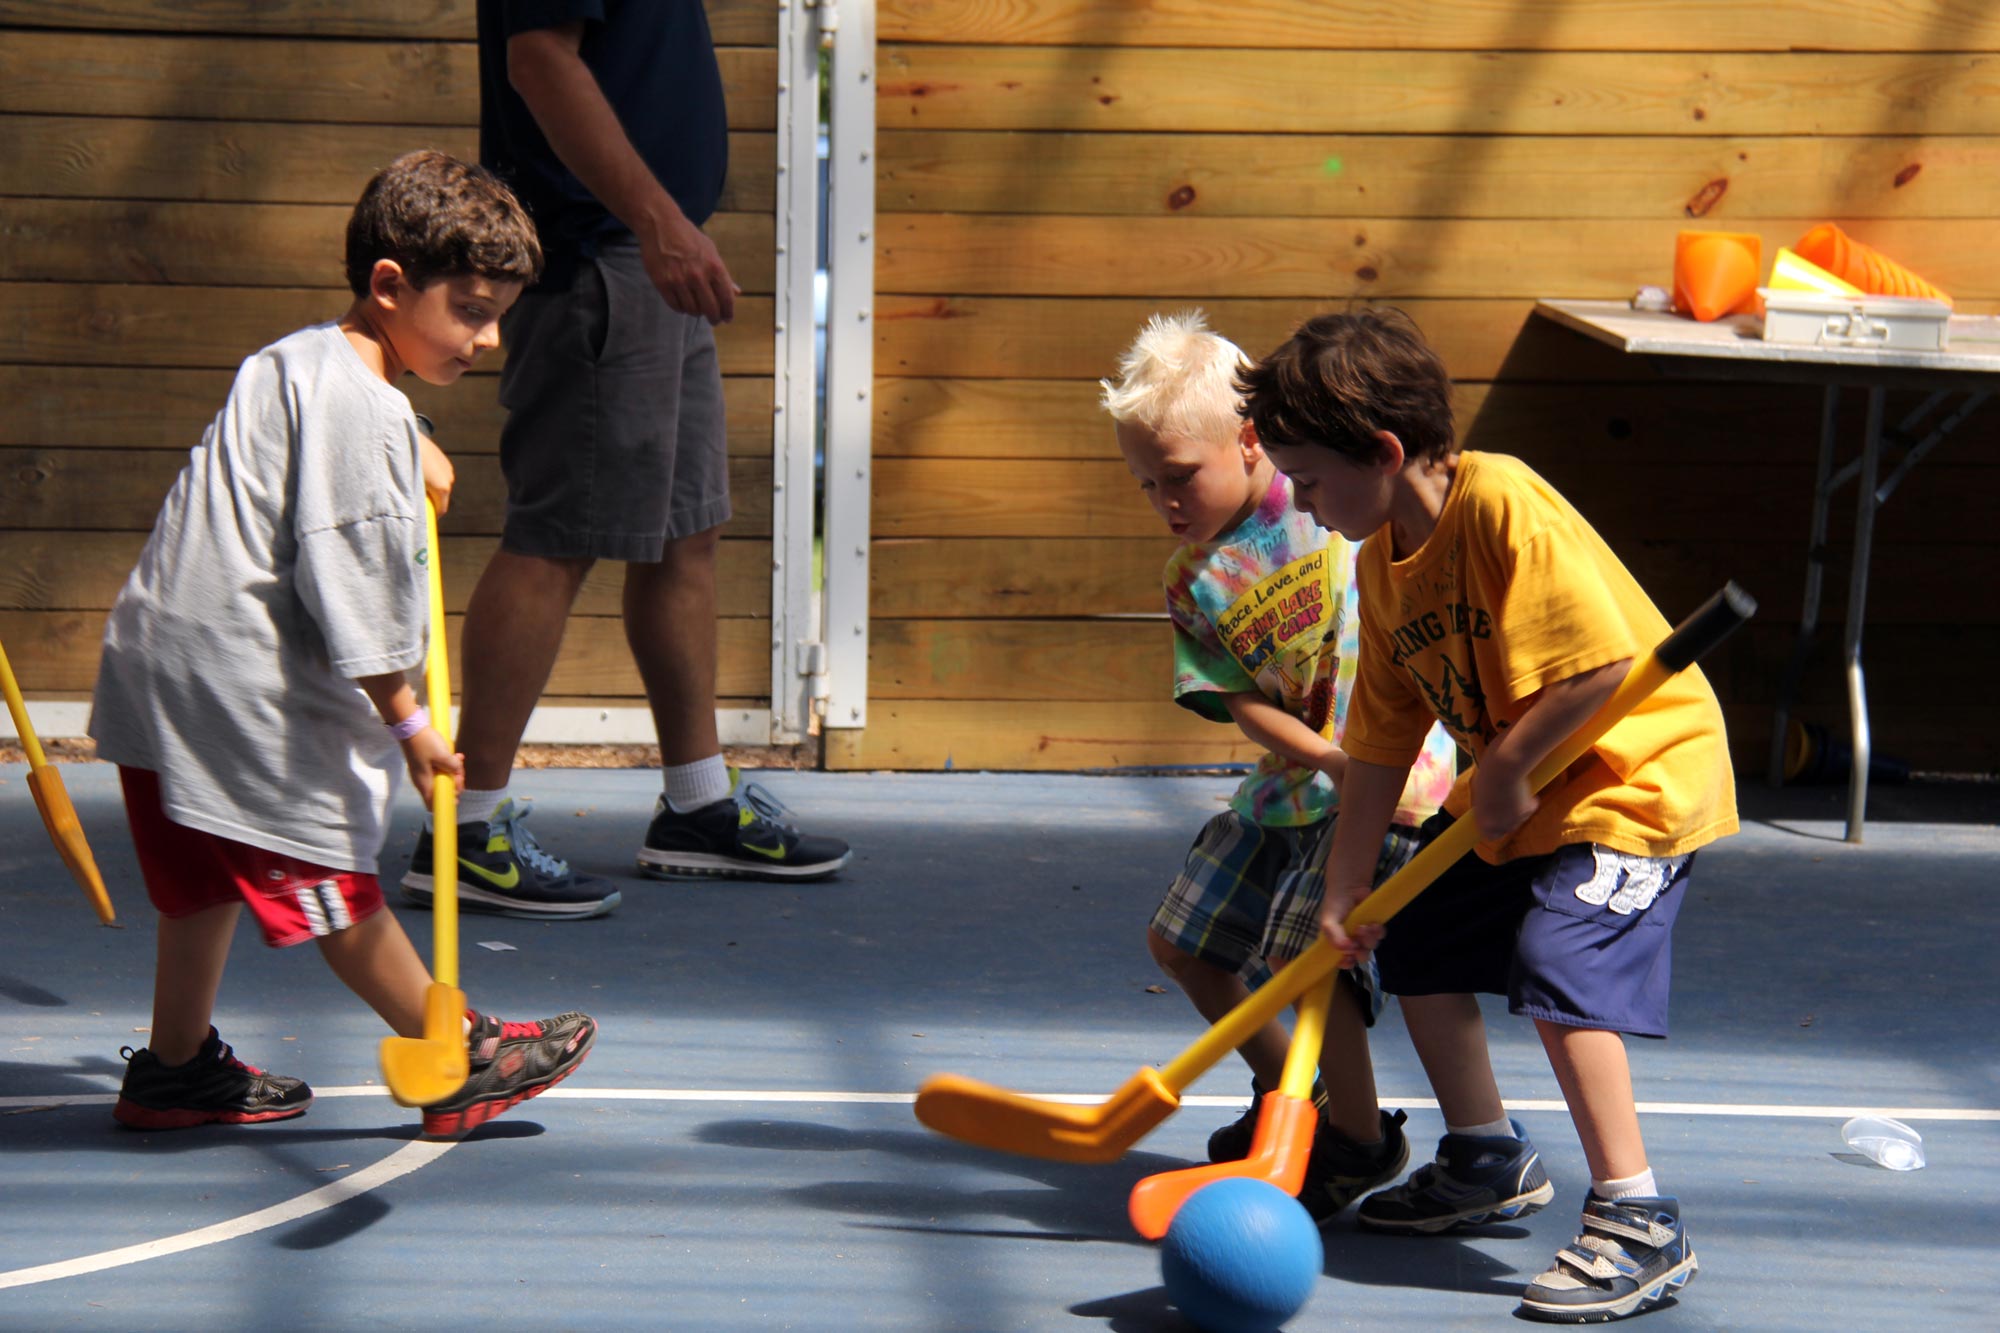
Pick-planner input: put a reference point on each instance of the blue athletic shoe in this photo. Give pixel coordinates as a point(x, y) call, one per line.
point(1473, 1181)
point(1629, 1256)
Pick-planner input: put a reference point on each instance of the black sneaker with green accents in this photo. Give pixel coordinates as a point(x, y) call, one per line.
point(504, 871)
point(742, 836)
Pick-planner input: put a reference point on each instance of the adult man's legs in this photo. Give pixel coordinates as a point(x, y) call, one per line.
point(513, 631)
point(701, 827)
point(670, 623)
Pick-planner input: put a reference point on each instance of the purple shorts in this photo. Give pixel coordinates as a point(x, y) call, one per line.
point(1582, 937)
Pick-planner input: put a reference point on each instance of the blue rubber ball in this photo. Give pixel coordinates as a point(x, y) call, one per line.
point(1241, 1256)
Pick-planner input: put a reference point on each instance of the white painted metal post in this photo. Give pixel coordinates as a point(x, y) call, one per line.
point(794, 633)
point(850, 351)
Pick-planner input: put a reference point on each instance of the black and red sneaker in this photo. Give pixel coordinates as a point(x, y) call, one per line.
point(511, 1062)
point(213, 1088)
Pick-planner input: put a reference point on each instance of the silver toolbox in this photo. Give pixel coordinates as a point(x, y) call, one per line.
point(1904, 323)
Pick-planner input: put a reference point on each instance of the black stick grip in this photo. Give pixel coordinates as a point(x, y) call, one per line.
point(1719, 617)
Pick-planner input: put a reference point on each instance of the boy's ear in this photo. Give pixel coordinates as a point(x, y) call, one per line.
point(387, 283)
point(1389, 451)
point(1246, 436)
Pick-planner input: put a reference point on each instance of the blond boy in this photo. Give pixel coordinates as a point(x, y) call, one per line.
point(1261, 599)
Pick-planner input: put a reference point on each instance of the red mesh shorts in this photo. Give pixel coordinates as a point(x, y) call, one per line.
point(189, 871)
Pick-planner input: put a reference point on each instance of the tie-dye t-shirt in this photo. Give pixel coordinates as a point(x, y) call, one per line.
point(1270, 606)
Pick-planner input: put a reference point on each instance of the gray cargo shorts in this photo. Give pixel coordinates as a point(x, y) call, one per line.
point(615, 442)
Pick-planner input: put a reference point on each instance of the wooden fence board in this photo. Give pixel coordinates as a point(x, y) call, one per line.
point(1080, 337)
point(1001, 577)
point(1041, 418)
point(57, 651)
point(99, 407)
point(119, 490)
point(239, 78)
point(145, 324)
point(1354, 258)
point(998, 577)
point(82, 571)
point(1047, 736)
point(1646, 501)
point(981, 337)
point(735, 22)
point(1650, 418)
point(1696, 180)
point(1457, 25)
point(1058, 736)
point(1436, 92)
point(245, 245)
point(1024, 660)
point(268, 162)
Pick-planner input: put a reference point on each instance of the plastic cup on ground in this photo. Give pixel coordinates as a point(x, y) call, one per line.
point(1886, 1142)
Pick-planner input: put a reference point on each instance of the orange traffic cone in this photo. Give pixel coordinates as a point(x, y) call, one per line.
point(1715, 272)
point(1841, 255)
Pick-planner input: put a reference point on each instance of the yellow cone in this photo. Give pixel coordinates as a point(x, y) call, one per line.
point(1790, 273)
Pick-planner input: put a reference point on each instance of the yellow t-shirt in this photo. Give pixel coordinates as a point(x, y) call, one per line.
point(1512, 592)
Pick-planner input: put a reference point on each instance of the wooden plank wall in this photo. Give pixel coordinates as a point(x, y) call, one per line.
point(174, 181)
point(1051, 171)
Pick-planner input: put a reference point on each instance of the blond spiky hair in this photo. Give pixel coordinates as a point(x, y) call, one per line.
point(1178, 378)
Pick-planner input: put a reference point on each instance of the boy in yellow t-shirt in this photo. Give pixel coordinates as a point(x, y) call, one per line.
point(1261, 600)
point(1489, 604)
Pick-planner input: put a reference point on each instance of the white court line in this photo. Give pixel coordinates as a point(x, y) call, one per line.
point(423, 1152)
point(783, 1096)
point(401, 1162)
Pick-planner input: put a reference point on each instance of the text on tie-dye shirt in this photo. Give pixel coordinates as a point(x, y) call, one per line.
point(1270, 607)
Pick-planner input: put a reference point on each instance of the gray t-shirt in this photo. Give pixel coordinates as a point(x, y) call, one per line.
point(288, 560)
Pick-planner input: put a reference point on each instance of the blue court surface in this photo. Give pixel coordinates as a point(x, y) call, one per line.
point(740, 1153)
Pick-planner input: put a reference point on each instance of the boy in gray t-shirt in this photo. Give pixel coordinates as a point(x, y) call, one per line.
point(254, 683)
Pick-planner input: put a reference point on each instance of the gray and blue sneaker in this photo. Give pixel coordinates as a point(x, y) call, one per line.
point(1629, 1256)
point(745, 835)
point(504, 871)
point(1473, 1181)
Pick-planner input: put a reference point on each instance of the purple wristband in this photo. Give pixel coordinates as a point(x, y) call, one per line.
point(411, 725)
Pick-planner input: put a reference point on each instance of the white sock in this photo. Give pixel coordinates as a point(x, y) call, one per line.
point(1641, 1186)
point(1503, 1128)
point(691, 786)
point(477, 807)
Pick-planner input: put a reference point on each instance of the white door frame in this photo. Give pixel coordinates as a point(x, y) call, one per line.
point(850, 354)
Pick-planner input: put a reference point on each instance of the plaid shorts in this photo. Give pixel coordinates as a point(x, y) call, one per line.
point(1293, 923)
point(1219, 908)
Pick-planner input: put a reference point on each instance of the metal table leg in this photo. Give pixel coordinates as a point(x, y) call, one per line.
point(1857, 608)
point(1823, 485)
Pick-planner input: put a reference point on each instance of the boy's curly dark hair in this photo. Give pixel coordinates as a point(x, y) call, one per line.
point(1340, 378)
point(439, 217)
